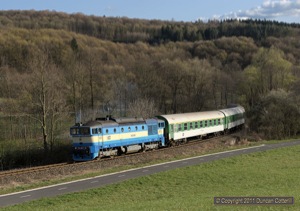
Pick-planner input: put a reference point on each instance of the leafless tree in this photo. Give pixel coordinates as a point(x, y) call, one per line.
point(143, 107)
point(45, 100)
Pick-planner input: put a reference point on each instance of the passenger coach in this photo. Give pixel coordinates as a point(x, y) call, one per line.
point(234, 117)
point(179, 127)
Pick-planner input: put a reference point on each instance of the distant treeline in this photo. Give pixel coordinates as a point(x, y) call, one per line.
point(151, 31)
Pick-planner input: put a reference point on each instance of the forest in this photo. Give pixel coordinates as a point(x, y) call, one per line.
point(57, 69)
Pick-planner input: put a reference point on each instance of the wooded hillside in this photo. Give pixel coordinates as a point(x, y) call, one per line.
point(57, 68)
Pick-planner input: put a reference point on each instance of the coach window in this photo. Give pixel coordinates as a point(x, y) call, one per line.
point(136, 128)
point(143, 127)
point(185, 126)
point(205, 123)
point(179, 127)
point(201, 124)
point(210, 122)
point(129, 129)
point(215, 122)
point(196, 124)
point(219, 121)
point(122, 129)
point(191, 125)
point(115, 130)
point(106, 131)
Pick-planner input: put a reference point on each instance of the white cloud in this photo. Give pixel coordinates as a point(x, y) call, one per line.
point(270, 9)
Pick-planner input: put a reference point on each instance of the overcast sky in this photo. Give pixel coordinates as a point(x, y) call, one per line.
point(178, 10)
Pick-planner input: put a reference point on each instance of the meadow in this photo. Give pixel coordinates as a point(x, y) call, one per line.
point(271, 173)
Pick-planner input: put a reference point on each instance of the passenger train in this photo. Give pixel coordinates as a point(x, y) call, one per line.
point(115, 136)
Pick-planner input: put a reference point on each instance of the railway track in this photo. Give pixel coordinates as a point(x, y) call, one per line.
point(69, 167)
point(31, 169)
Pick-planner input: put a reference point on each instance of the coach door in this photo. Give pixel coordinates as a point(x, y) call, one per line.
point(170, 132)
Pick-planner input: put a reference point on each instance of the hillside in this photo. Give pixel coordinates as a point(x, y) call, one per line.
point(57, 68)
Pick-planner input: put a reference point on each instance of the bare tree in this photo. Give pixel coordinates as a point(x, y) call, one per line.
point(142, 108)
point(45, 90)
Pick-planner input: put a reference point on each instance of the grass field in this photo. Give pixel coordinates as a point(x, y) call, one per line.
point(270, 173)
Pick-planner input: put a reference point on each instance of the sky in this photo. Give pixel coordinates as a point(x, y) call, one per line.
point(176, 10)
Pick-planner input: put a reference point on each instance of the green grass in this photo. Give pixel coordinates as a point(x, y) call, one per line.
point(270, 173)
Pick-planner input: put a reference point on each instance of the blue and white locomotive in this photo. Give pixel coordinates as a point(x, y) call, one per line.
point(109, 136)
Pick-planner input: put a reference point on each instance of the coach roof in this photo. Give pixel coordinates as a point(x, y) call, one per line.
point(192, 117)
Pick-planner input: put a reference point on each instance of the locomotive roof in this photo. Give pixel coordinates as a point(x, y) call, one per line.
point(191, 117)
point(129, 120)
point(111, 122)
point(101, 122)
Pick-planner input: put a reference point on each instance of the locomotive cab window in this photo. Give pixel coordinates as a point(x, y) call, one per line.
point(85, 131)
point(74, 131)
